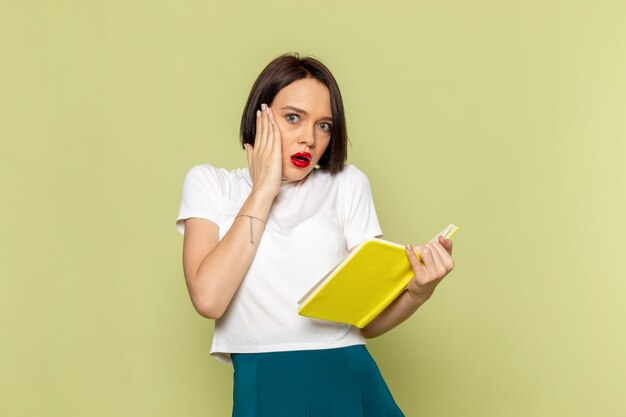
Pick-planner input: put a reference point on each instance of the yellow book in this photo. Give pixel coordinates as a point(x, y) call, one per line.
point(363, 284)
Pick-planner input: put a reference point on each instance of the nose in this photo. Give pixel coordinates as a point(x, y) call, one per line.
point(308, 138)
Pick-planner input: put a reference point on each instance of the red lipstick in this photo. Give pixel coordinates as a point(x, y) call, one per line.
point(301, 159)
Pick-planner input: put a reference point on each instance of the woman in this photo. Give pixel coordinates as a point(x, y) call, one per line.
point(256, 239)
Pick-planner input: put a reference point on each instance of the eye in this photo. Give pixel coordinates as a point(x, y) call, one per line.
point(327, 126)
point(288, 117)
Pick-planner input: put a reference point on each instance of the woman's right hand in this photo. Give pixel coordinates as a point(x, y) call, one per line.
point(265, 157)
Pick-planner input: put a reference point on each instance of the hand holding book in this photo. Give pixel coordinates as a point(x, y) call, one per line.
point(374, 274)
point(430, 263)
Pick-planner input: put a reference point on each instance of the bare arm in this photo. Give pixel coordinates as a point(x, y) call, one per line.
point(437, 263)
point(214, 269)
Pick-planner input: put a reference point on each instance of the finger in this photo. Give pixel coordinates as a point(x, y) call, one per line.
point(427, 257)
point(266, 130)
point(277, 135)
point(271, 131)
point(268, 127)
point(440, 268)
point(262, 134)
point(257, 133)
point(270, 115)
point(445, 257)
point(436, 254)
point(416, 264)
point(446, 243)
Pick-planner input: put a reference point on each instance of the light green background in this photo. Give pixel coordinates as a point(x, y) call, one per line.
point(507, 118)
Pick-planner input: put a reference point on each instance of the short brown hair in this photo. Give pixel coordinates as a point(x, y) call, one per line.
point(278, 74)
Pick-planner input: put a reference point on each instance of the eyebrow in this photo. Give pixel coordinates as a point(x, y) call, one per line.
point(303, 112)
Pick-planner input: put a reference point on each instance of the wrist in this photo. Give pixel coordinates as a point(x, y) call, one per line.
point(262, 196)
point(418, 298)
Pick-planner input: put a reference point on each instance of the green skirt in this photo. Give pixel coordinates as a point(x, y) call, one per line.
point(342, 382)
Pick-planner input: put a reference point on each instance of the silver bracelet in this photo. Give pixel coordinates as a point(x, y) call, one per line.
point(251, 217)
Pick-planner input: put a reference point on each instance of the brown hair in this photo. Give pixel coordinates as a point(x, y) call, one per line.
point(278, 74)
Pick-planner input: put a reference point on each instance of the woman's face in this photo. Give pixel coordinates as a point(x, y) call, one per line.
point(303, 114)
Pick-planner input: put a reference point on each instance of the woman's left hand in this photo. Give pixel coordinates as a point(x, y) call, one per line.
point(436, 263)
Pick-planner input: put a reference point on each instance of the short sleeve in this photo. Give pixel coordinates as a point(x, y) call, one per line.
point(201, 196)
point(361, 221)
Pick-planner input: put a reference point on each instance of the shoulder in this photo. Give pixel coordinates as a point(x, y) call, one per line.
point(202, 176)
point(354, 172)
point(354, 177)
point(209, 172)
point(203, 171)
point(348, 173)
point(218, 179)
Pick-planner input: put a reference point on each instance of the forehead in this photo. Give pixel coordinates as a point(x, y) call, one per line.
point(307, 93)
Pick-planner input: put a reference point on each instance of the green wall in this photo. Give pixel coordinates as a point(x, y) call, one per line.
point(507, 118)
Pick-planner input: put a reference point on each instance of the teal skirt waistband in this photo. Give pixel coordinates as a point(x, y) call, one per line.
point(341, 382)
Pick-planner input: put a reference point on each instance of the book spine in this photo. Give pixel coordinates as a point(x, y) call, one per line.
point(380, 307)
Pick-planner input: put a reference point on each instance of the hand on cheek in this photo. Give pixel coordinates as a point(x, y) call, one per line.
point(265, 157)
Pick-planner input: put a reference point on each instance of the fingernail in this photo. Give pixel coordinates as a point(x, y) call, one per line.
point(408, 246)
point(258, 113)
point(262, 106)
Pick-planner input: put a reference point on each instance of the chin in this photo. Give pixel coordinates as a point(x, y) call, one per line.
point(295, 174)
